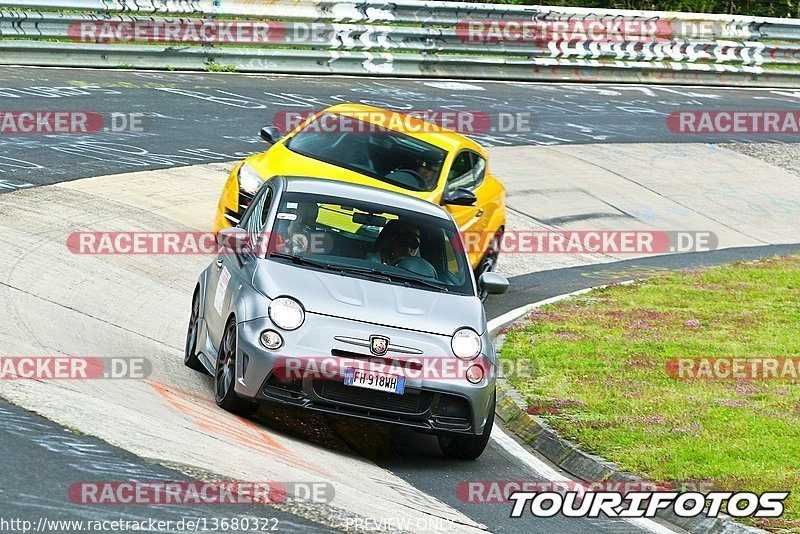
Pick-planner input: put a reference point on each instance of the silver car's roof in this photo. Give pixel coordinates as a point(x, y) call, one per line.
point(323, 186)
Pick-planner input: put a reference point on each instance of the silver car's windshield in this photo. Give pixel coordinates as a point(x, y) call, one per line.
point(370, 149)
point(367, 240)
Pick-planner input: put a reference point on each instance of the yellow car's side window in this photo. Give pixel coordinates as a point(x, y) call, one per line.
point(467, 171)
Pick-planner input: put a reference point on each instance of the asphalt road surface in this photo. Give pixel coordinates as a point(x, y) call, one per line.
point(41, 460)
point(191, 118)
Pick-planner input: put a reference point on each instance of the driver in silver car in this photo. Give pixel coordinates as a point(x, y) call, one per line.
point(399, 247)
point(398, 242)
point(404, 244)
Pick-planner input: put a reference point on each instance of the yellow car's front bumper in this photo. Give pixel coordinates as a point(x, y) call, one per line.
point(230, 207)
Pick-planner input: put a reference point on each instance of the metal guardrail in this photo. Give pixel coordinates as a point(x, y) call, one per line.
point(404, 38)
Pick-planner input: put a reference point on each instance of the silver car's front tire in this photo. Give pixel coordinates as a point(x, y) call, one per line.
point(468, 447)
point(225, 375)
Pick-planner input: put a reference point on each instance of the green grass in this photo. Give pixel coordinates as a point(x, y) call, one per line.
point(216, 67)
point(601, 376)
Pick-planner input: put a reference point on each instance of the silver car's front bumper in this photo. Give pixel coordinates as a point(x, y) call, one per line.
point(430, 403)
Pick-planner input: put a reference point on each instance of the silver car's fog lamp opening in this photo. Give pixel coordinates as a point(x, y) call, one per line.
point(475, 374)
point(466, 344)
point(286, 313)
point(271, 339)
point(249, 179)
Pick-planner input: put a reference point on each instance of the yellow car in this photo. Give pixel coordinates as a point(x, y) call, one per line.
point(387, 150)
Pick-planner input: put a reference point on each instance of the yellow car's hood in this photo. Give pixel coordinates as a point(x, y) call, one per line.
point(279, 160)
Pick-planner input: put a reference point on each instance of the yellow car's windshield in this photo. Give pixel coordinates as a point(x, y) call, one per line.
point(370, 149)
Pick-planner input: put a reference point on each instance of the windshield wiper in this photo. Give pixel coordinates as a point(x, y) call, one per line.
point(378, 273)
point(413, 279)
point(301, 260)
point(375, 274)
point(372, 273)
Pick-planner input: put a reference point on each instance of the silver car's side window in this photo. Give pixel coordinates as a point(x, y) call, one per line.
point(256, 215)
point(265, 208)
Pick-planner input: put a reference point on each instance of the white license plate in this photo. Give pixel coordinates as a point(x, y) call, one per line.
point(362, 378)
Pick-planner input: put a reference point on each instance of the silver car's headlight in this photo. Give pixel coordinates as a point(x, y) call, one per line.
point(286, 313)
point(466, 344)
point(249, 179)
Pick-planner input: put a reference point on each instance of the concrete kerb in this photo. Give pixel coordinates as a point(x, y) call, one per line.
point(537, 434)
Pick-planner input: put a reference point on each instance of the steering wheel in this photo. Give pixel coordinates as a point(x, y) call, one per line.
point(416, 265)
point(415, 175)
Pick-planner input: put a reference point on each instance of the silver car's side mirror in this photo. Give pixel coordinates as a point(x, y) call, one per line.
point(234, 238)
point(493, 283)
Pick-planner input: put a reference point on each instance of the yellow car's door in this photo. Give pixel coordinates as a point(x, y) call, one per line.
point(465, 180)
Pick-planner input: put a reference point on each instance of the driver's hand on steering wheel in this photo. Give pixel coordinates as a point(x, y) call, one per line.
point(298, 244)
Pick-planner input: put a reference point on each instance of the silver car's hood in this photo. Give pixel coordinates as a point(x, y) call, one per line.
point(363, 300)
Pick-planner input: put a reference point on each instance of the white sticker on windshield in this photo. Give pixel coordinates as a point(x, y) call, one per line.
point(287, 216)
point(222, 288)
point(291, 205)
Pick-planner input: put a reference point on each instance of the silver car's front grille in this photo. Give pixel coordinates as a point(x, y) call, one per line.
point(386, 360)
point(365, 343)
point(411, 402)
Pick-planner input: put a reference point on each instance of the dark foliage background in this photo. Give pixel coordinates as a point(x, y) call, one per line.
point(764, 8)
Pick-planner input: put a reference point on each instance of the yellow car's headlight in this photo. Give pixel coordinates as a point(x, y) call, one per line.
point(249, 179)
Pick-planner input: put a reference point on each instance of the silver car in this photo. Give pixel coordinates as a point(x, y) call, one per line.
point(348, 300)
